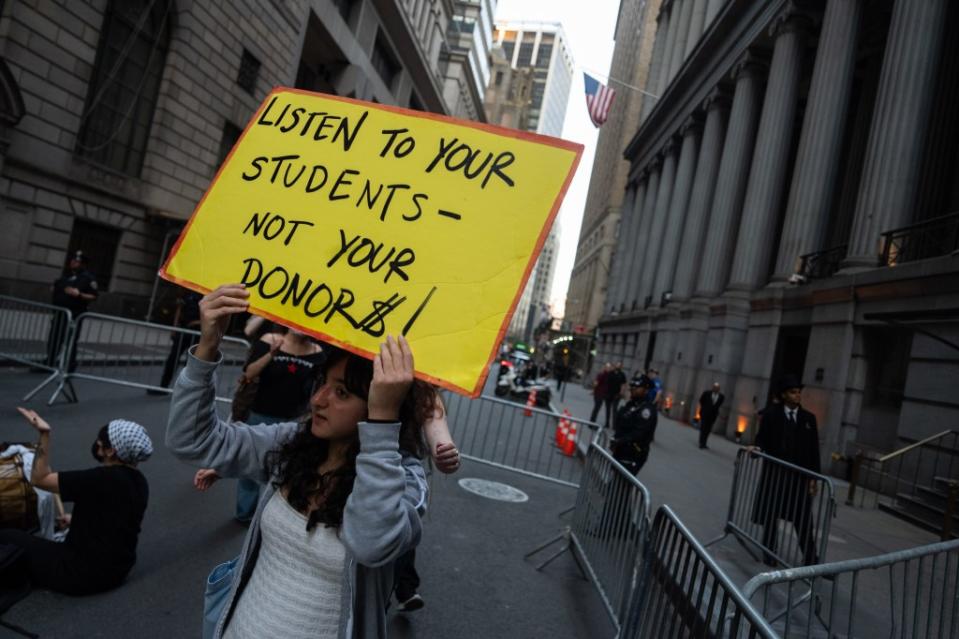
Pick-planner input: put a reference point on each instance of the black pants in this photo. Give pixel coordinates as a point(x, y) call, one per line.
point(705, 427)
point(597, 404)
point(611, 404)
point(406, 581)
point(801, 519)
point(56, 567)
point(56, 342)
point(179, 344)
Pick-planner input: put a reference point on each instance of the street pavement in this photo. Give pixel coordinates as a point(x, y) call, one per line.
point(475, 580)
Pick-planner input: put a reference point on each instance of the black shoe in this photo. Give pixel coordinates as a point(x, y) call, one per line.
point(154, 391)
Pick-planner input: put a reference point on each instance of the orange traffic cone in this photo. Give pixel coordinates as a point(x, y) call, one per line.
point(562, 428)
point(569, 446)
point(530, 402)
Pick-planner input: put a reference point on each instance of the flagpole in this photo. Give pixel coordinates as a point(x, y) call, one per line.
point(611, 79)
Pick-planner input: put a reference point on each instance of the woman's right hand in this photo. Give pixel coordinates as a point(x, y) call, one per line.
point(215, 311)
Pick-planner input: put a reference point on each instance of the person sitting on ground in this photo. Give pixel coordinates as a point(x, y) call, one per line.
point(344, 491)
point(108, 506)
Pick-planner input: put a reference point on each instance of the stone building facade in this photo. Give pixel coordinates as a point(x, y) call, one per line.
point(129, 108)
point(628, 73)
point(790, 208)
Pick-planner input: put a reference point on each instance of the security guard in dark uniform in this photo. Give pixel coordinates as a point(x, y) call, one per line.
point(634, 425)
point(74, 291)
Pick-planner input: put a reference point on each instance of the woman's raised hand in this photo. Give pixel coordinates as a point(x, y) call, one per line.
point(35, 420)
point(215, 311)
point(392, 378)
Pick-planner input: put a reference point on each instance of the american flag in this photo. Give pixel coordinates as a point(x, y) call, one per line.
point(599, 98)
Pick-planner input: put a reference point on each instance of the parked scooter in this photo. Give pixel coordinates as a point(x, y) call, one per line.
point(514, 386)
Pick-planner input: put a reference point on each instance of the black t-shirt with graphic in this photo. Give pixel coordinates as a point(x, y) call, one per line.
point(285, 384)
point(108, 507)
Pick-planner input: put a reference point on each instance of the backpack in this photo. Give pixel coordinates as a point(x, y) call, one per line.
point(18, 500)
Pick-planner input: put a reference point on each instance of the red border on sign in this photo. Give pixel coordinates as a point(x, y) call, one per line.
point(489, 128)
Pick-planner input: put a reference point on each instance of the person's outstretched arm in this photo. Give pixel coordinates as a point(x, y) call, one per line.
point(381, 520)
point(194, 431)
point(40, 475)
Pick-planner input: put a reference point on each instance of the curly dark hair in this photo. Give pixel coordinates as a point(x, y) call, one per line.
point(295, 465)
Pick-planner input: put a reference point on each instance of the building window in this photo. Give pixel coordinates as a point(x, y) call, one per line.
point(384, 61)
point(99, 243)
point(231, 133)
point(508, 51)
point(499, 78)
point(525, 54)
point(125, 83)
point(415, 103)
point(543, 55)
point(249, 70)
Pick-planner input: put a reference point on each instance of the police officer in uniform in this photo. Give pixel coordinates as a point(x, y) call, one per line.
point(74, 291)
point(634, 425)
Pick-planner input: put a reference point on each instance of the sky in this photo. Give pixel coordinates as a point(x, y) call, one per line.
point(589, 26)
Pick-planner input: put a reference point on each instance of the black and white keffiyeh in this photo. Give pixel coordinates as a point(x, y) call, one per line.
point(130, 440)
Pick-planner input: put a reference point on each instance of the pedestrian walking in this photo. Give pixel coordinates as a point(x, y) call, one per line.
point(599, 391)
point(634, 426)
point(560, 372)
point(187, 315)
point(709, 403)
point(615, 382)
point(284, 367)
point(788, 432)
point(344, 494)
point(73, 291)
point(108, 505)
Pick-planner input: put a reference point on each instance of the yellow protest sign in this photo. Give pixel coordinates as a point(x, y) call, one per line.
point(351, 221)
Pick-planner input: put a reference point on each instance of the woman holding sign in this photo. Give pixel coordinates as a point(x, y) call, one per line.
point(342, 501)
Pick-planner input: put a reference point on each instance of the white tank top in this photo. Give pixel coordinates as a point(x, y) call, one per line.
point(296, 585)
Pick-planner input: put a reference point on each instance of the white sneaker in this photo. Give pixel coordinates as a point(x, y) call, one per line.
point(413, 603)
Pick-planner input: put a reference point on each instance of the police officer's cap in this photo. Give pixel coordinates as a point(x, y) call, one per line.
point(81, 257)
point(641, 381)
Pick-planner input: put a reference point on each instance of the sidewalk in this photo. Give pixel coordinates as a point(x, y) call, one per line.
point(696, 484)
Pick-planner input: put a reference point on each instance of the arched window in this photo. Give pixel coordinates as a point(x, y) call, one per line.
point(125, 83)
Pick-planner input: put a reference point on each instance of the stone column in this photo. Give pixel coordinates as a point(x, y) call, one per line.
point(896, 141)
point(655, 240)
point(627, 223)
point(704, 185)
point(642, 235)
point(733, 173)
point(697, 24)
point(676, 218)
point(767, 178)
point(712, 10)
point(682, 34)
point(664, 76)
point(656, 62)
point(821, 141)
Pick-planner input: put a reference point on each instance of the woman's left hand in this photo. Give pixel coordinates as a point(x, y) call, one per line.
point(392, 378)
point(35, 420)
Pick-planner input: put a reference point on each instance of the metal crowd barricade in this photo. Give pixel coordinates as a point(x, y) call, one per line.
point(34, 334)
point(511, 436)
point(684, 593)
point(610, 529)
point(917, 592)
point(132, 353)
point(779, 509)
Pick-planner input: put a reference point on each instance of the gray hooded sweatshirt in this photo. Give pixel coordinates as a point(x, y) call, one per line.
point(381, 520)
